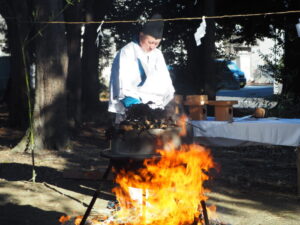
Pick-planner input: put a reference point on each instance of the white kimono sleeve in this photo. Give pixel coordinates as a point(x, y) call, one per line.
point(124, 79)
point(129, 75)
point(158, 87)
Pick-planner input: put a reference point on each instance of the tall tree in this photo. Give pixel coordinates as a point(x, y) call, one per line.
point(291, 73)
point(202, 77)
point(74, 13)
point(90, 60)
point(50, 111)
point(16, 95)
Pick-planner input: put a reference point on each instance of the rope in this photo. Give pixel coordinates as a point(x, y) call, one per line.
point(170, 19)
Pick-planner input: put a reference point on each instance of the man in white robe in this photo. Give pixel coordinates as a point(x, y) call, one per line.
point(139, 73)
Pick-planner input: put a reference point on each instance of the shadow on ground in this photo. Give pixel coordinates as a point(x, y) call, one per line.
point(13, 214)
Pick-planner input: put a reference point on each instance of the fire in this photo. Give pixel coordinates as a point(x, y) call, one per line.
point(167, 191)
point(68, 219)
point(64, 219)
point(181, 122)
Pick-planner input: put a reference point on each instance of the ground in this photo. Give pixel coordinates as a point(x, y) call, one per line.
point(255, 185)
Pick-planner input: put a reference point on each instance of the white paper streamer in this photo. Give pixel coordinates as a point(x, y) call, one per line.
point(201, 31)
point(99, 33)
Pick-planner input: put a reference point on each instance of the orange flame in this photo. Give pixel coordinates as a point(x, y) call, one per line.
point(64, 219)
point(165, 192)
point(181, 122)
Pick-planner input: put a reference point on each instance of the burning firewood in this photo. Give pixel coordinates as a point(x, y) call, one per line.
point(111, 217)
point(158, 190)
point(141, 117)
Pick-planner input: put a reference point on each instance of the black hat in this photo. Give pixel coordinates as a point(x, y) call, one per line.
point(154, 28)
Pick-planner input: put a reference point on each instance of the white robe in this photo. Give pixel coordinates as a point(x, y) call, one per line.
point(126, 78)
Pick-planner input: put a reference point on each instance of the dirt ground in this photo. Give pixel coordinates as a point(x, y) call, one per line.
point(255, 185)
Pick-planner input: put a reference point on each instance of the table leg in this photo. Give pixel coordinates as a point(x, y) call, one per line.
point(298, 169)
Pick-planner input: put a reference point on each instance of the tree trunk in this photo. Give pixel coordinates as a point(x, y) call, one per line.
point(50, 111)
point(210, 86)
point(17, 92)
point(74, 79)
point(201, 74)
point(291, 76)
point(194, 74)
point(90, 63)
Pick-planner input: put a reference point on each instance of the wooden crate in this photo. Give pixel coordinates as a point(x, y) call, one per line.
point(196, 100)
point(178, 99)
point(223, 109)
point(197, 106)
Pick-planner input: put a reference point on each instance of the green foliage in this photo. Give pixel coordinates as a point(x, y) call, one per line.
point(175, 33)
point(70, 2)
point(248, 29)
point(273, 67)
point(221, 52)
point(4, 41)
point(288, 106)
point(274, 62)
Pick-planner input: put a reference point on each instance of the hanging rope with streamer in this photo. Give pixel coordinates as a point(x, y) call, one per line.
point(170, 19)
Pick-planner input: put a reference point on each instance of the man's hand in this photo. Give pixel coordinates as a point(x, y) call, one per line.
point(128, 101)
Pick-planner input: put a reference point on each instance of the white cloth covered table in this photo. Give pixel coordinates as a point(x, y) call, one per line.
point(273, 131)
point(251, 131)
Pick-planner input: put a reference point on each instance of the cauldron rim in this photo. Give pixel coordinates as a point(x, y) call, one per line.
point(125, 156)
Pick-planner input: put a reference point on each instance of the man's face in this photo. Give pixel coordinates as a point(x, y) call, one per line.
point(148, 43)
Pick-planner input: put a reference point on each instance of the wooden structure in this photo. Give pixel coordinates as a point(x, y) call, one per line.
point(197, 106)
point(178, 104)
point(223, 109)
